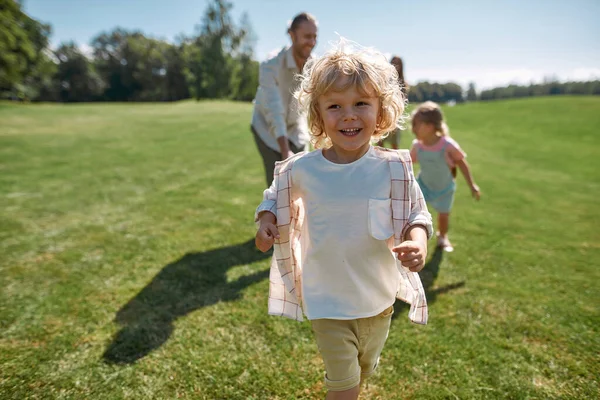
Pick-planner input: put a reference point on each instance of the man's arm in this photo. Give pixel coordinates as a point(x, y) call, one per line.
point(271, 104)
point(284, 147)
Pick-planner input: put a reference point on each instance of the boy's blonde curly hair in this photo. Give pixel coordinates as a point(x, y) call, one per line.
point(368, 70)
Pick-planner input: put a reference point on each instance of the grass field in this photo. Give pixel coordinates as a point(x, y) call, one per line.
point(128, 269)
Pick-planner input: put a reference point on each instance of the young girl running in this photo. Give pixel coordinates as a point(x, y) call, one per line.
point(347, 221)
point(438, 155)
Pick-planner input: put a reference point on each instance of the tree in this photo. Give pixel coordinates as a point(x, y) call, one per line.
point(23, 61)
point(440, 93)
point(471, 93)
point(452, 92)
point(213, 60)
point(75, 79)
point(133, 66)
point(245, 72)
point(111, 62)
point(175, 80)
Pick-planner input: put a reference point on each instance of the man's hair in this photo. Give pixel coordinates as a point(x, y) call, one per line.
point(300, 18)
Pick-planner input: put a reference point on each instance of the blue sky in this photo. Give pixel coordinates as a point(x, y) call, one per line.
point(486, 41)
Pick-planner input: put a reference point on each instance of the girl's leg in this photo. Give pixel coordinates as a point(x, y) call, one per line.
point(442, 240)
point(443, 220)
point(350, 394)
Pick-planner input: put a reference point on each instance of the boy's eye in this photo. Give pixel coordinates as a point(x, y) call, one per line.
point(362, 103)
point(333, 107)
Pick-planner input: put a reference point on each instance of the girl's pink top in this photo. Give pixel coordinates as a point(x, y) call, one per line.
point(453, 152)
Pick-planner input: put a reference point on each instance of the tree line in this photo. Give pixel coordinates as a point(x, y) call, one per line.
point(216, 62)
point(442, 93)
point(549, 88)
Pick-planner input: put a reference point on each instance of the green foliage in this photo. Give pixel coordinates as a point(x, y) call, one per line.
point(176, 87)
point(23, 62)
point(471, 93)
point(543, 89)
point(245, 78)
point(133, 66)
point(128, 66)
point(76, 78)
point(440, 93)
point(222, 58)
point(216, 63)
point(128, 269)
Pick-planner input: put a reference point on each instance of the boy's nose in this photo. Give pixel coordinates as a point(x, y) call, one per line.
point(349, 116)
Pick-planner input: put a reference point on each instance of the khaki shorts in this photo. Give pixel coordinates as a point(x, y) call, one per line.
point(351, 348)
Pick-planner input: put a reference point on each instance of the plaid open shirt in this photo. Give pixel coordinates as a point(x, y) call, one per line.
point(408, 209)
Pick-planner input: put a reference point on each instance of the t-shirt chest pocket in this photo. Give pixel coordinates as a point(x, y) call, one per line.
point(380, 218)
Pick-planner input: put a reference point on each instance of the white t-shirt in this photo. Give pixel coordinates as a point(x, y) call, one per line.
point(348, 270)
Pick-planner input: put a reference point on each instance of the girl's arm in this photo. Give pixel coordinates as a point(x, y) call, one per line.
point(466, 171)
point(413, 153)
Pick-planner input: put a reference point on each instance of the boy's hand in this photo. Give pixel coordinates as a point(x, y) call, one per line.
point(412, 255)
point(266, 235)
point(475, 191)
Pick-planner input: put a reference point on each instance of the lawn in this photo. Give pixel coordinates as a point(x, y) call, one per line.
point(128, 269)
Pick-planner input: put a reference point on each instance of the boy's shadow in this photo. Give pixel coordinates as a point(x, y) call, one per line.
point(194, 281)
point(428, 276)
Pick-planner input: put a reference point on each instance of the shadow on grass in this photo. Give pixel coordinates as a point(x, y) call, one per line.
point(196, 280)
point(428, 276)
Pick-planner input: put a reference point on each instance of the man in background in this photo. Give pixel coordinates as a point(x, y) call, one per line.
point(278, 128)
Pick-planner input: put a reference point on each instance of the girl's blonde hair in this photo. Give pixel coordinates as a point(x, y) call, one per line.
point(431, 113)
point(368, 70)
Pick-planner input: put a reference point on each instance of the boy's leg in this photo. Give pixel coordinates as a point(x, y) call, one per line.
point(376, 330)
point(337, 341)
point(350, 350)
point(351, 394)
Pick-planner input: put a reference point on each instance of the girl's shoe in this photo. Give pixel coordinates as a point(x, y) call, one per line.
point(444, 243)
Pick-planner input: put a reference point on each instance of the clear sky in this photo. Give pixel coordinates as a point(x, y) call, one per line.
point(490, 42)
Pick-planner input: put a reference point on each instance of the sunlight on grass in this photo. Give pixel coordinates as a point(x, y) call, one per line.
point(129, 271)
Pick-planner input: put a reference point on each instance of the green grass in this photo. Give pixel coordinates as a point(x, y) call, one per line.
point(128, 270)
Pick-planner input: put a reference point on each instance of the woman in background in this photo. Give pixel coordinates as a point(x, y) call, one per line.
point(394, 137)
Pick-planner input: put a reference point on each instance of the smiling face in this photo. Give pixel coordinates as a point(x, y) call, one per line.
point(304, 39)
point(350, 118)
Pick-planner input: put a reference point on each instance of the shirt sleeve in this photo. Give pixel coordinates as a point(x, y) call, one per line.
point(269, 202)
point(270, 102)
point(413, 151)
